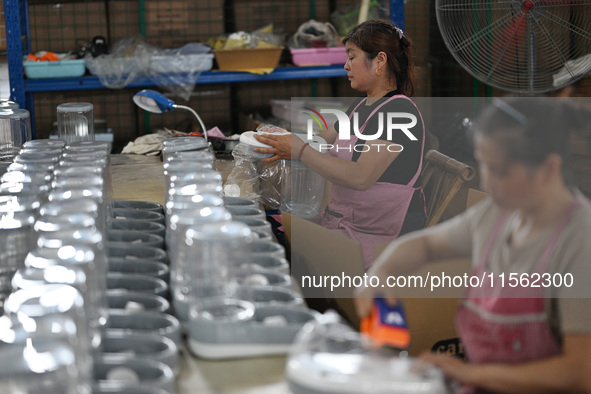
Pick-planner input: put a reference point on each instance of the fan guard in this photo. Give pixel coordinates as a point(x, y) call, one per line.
point(527, 47)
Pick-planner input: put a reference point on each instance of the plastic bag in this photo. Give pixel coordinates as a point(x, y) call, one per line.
point(254, 179)
point(243, 180)
point(177, 70)
point(174, 70)
point(121, 67)
point(271, 176)
point(314, 34)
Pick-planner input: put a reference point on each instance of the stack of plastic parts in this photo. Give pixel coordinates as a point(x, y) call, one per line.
point(229, 281)
point(328, 356)
point(130, 58)
point(84, 280)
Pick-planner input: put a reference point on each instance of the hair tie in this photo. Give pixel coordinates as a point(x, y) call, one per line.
point(302, 151)
point(400, 32)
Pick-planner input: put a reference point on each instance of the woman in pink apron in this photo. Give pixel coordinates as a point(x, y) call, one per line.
point(373, 181)
point(519, 335)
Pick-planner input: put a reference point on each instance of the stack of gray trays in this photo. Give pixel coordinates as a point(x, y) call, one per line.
point(140, 344)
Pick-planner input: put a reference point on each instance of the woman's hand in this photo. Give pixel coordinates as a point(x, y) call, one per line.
point(364, 296)
point(452, 367)
point(284, 147)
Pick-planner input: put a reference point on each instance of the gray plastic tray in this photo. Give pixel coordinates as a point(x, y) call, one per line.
point(125, 300)
point(147, 322)
point(135, 237)
point(136, 252)
point(138, 225)
point(151, 374)
point(138, 214)
point(153, 268)
point(255, 337)
point(143, 205)
point(137, 283)
point(119, 346)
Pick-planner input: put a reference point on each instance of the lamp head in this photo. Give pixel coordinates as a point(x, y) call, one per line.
point(152, 101)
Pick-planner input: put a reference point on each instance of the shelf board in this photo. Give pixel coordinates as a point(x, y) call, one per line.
point(281, 73)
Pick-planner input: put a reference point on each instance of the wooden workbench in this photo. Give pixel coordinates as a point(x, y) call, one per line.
point(140, 178)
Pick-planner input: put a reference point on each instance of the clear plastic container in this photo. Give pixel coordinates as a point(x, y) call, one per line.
point(75, 122)
point(41, 366)
point(215, 251)
point(17, 236)
point(327, 356)
point(302, 189)
point(55, 310)
point(73, 265)
point(15, 130)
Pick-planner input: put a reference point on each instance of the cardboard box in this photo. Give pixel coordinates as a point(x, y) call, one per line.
point(318, 252)
point(474, 197)
point(247, 59)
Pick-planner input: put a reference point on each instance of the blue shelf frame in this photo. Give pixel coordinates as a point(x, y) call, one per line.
point(209, 77)
point(16, 13)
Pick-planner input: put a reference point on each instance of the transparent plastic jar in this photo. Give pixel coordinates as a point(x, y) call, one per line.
point(327, 355)
point(59, 308)
point(302, 188)
point(215, 251)
point(75, 265)
point(15, 130)
point(75, 122)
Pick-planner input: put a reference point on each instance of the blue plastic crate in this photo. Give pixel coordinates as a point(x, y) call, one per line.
point(58, 69)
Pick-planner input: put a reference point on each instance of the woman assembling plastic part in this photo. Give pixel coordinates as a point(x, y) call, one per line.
point(523, 334)
point(374, 197)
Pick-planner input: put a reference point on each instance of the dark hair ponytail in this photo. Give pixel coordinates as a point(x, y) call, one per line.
point(379, 35)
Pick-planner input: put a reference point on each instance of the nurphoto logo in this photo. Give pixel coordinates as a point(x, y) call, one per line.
point(388, 122)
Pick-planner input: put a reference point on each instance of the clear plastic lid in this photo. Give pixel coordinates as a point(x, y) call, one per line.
point(14, 113)
point(75, 107)
point(329, 356)
point(7, 104)
point(45, 143)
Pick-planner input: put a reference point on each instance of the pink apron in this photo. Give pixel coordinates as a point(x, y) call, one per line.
point(505, 324)
point(371, 216)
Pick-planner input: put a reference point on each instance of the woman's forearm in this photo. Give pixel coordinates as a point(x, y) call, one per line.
point(404, 255)
point(553, 375)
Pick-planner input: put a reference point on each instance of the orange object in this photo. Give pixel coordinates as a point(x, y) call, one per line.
point(50, 56)
point(32, 58)
point(386, 325)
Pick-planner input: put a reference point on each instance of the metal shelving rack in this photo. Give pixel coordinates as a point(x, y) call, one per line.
point(22, 90)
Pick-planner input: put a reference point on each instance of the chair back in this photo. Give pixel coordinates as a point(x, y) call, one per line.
point(441, 179)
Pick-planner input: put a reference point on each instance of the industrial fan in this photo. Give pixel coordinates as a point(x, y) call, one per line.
point(526, 47)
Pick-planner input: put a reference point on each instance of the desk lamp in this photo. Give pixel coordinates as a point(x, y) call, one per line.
point(157, 103)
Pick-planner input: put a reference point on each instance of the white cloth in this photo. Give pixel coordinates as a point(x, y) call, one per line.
point(149, 145)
